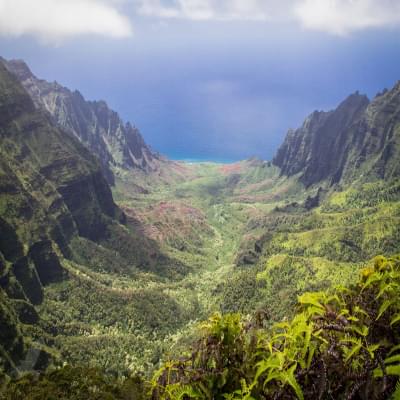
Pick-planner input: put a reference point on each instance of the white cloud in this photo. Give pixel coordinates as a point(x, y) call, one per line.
point(205, 9)
point(54, 20)
point(342, 17)
point(338, 17)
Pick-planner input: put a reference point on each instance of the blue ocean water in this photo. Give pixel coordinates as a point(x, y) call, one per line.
point(217, 160)
point(205, 160)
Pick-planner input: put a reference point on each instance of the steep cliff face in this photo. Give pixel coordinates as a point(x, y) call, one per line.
point(319, 149)
point(56, 211)
point(52, 162)
point(357, 139)
point(51, 190)
point(379, 152)
point(99, 128)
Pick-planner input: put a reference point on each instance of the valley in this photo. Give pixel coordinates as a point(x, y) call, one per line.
point(214, 223)
point(118, 261)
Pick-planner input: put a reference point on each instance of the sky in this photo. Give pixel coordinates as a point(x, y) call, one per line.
point(209, 79)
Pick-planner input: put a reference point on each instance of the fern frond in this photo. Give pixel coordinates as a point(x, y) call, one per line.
point(396, 393)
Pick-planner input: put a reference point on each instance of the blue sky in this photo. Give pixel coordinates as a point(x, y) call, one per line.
point(205, 78)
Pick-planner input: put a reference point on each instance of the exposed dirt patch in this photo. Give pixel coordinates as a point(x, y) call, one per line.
point(174, 223)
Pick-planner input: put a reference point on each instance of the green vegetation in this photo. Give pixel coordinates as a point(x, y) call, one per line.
point(344, 344)
point(73, 383)
point(253, 247)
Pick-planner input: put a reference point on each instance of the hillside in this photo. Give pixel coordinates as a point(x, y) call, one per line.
point(56, 208)
point(117, 279)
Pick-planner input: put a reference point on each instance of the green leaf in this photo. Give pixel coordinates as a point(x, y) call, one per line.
point(291, 380)
point(271, 363)
point(351, 339)
point(394, 348)
point(311, 298)
point(359, 310)
point(336, 298)
point(393, 370)
point(311, 350)
point(384, 306)
point(395, 319)
point(178, 392)
point(372, 348)
point(389, 287)
point(392, 359)
point(344, 312)
point(396, 394)
point(306, 345)
point(314, 310)
point(390, 370)
point(355, 349)
point(272, 376)
point(377, 276)
point(363, 331)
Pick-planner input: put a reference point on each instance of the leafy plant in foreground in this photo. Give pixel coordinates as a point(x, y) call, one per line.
point(343, 345)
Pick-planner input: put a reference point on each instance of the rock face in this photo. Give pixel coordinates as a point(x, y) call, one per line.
point(51, 190)
point(358, 139)
point(99, 128)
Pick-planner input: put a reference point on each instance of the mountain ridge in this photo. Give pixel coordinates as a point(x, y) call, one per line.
point(338, 145)
point(40, 208)
point(100, 129)
point(56, 208)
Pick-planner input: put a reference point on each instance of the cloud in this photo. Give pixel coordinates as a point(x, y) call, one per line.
point(205, 9)
point(342, 17)
point(338, 17)
point(55, 20)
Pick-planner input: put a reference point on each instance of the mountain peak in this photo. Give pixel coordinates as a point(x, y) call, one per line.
point(333, 145)
point(19, 68)
point(354, 100)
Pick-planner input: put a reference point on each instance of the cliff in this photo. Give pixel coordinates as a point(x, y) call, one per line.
point(93, 123)
point(359, 139)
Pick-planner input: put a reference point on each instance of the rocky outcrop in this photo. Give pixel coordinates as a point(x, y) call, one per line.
point(359, 139)
point(99, 128)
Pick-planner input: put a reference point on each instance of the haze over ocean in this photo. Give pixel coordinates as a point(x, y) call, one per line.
point(216, 82)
